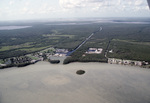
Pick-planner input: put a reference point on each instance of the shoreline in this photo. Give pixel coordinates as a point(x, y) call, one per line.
point(19, 66)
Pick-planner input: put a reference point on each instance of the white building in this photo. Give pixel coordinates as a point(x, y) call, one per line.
point(94, 51)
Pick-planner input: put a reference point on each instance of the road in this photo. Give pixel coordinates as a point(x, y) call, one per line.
point(69, 53)
point(106, 51)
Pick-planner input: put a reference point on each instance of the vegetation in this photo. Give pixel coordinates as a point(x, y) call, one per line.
point(40, 36)
point(23, 64)
point(1, 61)
point(127, 41)
point(130, 50)
point(54, 61)
point(80, 72)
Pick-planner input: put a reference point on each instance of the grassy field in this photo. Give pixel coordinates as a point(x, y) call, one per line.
point(6, 48)
point(57, 36)
point(34, 49)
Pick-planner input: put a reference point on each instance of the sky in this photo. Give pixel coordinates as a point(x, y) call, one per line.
point(50, 9)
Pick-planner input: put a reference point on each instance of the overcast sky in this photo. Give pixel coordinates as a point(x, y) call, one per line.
point(45, 9)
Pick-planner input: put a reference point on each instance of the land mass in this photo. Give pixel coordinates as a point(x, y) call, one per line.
point(117, 42)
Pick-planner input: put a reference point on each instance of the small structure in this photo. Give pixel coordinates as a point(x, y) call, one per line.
point(94, 51)
point(61, 52)
point(115, 61)
point(3, 65)
point(111, 51)
point(145, 63)
point(34, 61)
point(124, 62)
point(138, 63)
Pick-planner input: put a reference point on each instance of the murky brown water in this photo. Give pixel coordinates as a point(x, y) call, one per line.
point(101, 83)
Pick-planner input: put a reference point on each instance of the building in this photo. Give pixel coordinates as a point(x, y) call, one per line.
point(94, 51)
point(115, 61)
point(124, 62)
point(61, 52)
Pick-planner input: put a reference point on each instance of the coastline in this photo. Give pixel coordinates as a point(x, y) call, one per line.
point(24, 65)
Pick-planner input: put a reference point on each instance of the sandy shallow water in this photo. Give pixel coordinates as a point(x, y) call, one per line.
point(101, 83)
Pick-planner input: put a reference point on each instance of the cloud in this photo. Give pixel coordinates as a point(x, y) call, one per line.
point(41, 10)
point(100, 4)
point(71, 3)
point(71, 8)
point(85, 3)
point(11, 2)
